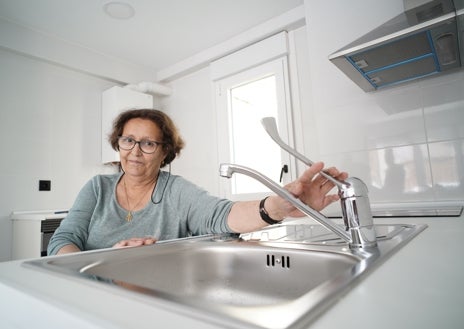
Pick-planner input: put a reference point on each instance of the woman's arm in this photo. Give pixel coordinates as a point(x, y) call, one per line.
point(311, 188)
point(69, 248)
point(72, 233)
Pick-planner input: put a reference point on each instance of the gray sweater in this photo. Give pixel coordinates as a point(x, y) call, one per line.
point(96, 220)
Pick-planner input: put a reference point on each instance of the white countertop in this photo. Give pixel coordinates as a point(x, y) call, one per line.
point(421, 286)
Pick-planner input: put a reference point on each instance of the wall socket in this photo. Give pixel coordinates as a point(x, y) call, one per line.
point(45, 185)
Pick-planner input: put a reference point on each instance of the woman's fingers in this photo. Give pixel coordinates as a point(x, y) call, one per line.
point(135, 242)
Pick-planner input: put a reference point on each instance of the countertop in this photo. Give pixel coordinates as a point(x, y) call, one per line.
point(421, 286)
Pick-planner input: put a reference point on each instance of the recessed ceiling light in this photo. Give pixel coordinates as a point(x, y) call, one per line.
point(119, 10)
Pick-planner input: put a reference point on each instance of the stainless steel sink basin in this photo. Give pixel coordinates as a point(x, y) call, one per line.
point(230, 274)
point(280, 277)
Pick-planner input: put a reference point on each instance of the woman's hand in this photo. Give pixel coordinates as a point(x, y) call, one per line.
point(135, 242)
point(313, 188)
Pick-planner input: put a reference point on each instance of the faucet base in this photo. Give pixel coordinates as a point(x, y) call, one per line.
point(363, 237)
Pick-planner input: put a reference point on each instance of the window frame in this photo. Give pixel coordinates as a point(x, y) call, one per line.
point(279, 68)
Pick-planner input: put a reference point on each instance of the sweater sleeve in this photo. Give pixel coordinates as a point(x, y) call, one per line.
point(203, 212)
point(75, 226)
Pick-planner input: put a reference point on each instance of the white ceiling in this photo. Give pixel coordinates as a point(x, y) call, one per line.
point(162, 32)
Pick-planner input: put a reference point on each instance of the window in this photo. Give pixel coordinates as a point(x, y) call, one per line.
point(242, 100)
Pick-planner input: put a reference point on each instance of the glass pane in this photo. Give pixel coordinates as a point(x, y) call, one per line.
point(251, 146)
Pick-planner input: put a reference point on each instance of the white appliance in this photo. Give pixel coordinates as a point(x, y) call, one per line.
point(32, 231)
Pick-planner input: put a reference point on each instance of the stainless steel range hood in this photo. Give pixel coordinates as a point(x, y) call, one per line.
point(422, 41)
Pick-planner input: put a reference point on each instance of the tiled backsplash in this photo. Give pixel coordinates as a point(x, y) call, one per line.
point(411, 150)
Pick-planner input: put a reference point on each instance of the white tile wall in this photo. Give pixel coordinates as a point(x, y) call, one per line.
point(447, 163)
point(443, 100)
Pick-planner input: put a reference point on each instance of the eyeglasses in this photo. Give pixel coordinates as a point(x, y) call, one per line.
point(146, 146)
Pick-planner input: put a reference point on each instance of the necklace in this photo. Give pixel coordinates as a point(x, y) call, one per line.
point(129, 215)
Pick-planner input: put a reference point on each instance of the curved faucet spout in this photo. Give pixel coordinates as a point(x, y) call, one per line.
point(227, 170)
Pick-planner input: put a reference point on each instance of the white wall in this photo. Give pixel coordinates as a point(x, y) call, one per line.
point(50, 129)
point(420, 124)
point(191, 107)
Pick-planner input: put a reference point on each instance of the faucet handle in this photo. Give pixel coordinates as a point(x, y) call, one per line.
point(269, 124)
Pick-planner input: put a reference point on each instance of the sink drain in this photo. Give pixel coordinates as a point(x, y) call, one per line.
point(278, 261)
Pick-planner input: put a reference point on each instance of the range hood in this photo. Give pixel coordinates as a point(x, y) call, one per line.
point(425, 40)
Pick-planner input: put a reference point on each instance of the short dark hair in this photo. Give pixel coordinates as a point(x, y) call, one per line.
point(172, 141)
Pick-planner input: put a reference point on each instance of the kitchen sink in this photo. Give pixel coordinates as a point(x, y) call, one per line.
point(279, 277)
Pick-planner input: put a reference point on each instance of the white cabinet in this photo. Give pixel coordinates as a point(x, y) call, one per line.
point(32, 231)
point(114, 101)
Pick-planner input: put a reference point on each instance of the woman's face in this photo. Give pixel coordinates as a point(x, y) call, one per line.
point(136, 163)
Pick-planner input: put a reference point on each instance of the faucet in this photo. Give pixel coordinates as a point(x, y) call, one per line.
point(357, 216)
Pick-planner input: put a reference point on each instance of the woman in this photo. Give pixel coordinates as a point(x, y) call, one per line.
point(143, 204)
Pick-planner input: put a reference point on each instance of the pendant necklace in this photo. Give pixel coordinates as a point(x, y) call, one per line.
point(129, 215)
